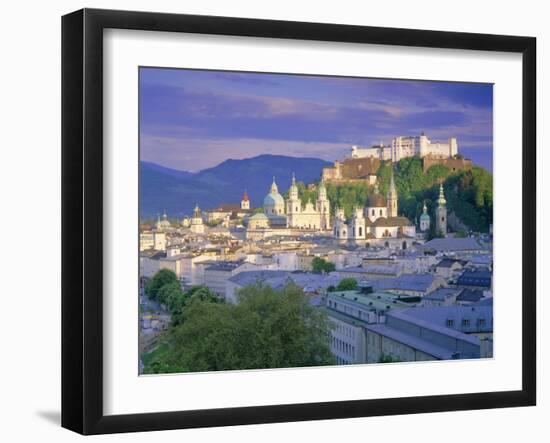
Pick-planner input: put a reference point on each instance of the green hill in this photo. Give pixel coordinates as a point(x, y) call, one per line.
point(469, 194)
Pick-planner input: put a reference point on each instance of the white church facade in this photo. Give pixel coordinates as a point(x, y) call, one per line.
point(378, 220)
point(290, 216)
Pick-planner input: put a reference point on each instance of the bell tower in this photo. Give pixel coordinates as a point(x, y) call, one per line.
point(441, 213)
point(392, 199)
point(323, 206)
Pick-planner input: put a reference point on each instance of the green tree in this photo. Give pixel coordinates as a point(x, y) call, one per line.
point(170, 295)
point(266, 329)
point(203, 293)
point(320, 265)
point(461, 234)
point(161, 278)
point(347, 284)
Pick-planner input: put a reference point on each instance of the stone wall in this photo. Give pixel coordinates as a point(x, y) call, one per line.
point(454, 164)
point(351, 169)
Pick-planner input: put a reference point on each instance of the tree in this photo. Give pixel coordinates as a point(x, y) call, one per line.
point(347, 284)
point(171, 295)
point(267, 329)
point(461, 234)
point(161, 278)
point(320, 265)
point(203, 293)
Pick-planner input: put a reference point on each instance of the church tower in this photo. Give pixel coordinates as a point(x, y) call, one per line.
point(158, 225)
point(197, 226)
point(245, 201)
point(424, 219)
point(392, 198)
point(441, 213)
point(357, 228)
point(323, 207)
point(293, 204)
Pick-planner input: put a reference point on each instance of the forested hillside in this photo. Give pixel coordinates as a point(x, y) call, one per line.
point(469, 194)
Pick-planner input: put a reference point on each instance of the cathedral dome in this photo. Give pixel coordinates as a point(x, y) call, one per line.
point(258, 216)
point(274, 200)
point(376, 201)
point(274, 203)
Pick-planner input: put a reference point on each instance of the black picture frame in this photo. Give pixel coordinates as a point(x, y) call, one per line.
point(82, 218)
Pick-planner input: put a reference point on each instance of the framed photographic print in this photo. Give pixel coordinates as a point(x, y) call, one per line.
point(269, 221)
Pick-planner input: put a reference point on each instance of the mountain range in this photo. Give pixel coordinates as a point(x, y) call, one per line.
point(178, 192)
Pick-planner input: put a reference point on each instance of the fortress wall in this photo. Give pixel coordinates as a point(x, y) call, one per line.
point(454, 164)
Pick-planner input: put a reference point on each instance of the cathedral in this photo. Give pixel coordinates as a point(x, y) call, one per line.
point(292, 213)
point(377, 220)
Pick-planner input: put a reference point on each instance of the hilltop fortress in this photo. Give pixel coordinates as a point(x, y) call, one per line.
point(363, 163)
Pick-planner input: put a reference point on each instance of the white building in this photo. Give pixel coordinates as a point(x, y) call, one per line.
point(164, 224)
point(282, 217)
point(197, 225)
point(408, 146)
point(310, 216)
point(152, 240)
point(377, 220)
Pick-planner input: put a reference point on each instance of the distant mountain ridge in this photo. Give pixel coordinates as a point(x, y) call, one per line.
point(177, 192)
point(165, 170)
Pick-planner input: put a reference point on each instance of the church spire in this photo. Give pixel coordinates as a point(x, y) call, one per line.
point(274, 189)
point(322, 191)
point(392, 198)
point(392, 185)
point(441, 200)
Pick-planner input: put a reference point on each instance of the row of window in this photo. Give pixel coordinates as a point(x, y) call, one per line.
point(342, 347)
point(341, 361)
point(481, 322)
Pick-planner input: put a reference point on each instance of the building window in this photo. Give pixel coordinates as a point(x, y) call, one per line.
point(380, 212)
point(481, 322)
point(465, 322)
point(450, 323)
point(360, 231)
point(372, 212)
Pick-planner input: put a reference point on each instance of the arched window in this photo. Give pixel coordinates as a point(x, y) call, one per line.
point(296, 208)
point(360, 231)
point(380, 212)
point(372, 212)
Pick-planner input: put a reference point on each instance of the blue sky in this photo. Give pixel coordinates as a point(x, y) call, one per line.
point(194, 119)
